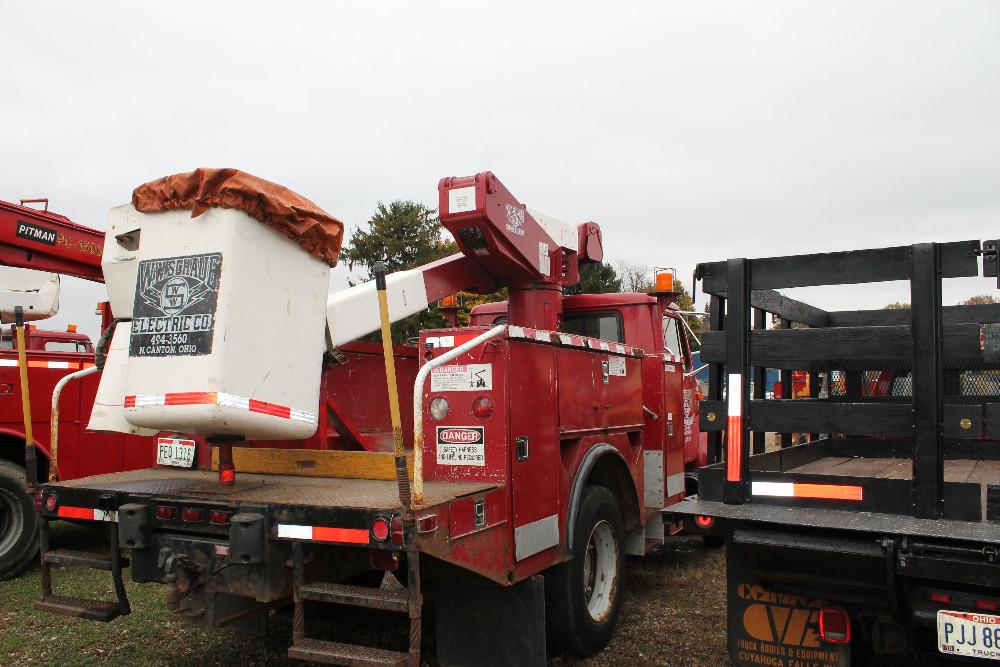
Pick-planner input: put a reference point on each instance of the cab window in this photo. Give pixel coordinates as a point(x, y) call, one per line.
point(606, 326)
point(672, 337)
point(65, 346)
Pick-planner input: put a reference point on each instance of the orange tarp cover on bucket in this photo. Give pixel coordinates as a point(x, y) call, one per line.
point(292, 215)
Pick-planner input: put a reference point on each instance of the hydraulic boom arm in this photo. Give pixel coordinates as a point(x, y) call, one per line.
point(503, 243)
point(45, 241)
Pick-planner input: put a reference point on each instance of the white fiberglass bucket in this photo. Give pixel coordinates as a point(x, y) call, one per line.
point(227, 329)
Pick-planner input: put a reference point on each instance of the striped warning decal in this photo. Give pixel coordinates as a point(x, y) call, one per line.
point(734, 432)
point(290, 531)
point(815, 491)
point(64, 365)
point(85, 513)
point(222, 400)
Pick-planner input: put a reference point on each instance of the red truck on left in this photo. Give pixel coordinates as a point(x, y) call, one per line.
point(39, 239)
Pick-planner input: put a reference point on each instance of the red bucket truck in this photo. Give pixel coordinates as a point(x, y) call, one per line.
point(542, 444)
point(45, 241)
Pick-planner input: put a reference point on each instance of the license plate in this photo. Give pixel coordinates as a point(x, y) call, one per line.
point(968, 634)
point(175, 452)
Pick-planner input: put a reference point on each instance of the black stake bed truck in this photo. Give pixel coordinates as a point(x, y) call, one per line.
point(860, 509)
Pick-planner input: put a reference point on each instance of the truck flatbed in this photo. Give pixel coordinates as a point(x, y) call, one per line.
point(374, 494)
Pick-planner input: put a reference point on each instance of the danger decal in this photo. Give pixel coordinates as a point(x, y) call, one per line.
point(175, 302)
point(461, 445)
point(471, 377)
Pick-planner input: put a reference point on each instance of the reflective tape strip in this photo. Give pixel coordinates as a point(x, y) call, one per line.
point(222, 400)
point(800, 490)
point(569, 340)
point(85, 513)
point(34, 363)
point(323, 534)
point(734, 432)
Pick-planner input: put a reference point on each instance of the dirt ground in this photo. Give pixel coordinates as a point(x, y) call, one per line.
point(673, 614)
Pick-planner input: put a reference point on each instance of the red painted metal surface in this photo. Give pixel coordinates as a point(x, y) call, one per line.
point(47, 241)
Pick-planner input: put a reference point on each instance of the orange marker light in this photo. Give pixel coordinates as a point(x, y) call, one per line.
point(71, 328)
point(664, 282)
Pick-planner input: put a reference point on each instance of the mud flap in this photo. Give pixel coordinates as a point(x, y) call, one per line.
point(491, 625)
point(774, 629)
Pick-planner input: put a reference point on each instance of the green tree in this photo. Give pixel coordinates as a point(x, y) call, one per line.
point(596, 278)
point(404, 235)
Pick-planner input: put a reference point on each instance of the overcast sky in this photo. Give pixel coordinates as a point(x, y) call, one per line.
point(690, 131)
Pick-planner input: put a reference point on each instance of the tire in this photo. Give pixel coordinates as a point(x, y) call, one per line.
point(18, 522)
point(583, 595)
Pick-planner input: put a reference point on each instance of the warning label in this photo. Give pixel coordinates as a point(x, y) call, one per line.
point(473, 377)
point(778, 629)
point(175, 302)
point(616, 366)
point(461, 445)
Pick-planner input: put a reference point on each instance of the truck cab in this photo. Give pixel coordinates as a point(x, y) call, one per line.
point(645, 321)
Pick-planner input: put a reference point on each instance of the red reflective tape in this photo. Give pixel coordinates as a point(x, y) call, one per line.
point(344, 535)
point(130, 401)
point(189, 398)
point(734, 455)
point(270, 409)
point(66, 512)
point(828, 491)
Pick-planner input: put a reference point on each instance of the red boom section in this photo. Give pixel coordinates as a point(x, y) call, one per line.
point(45, 241)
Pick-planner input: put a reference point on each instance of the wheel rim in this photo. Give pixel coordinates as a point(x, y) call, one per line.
point(600, 571)
point(11, 521)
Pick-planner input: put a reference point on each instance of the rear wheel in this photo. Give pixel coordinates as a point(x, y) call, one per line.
point(583, 595)
point(18, 522)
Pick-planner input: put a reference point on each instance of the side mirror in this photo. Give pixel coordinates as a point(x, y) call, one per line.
point(37, 292)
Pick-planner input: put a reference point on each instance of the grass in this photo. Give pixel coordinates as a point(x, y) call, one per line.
point(673, 614)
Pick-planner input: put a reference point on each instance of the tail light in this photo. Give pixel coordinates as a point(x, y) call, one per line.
point(941, 598)
point(703, 521)
point(835, 626)
point(219, 517)
point(191, 515)
point(397, 529)
point(987, 605)
point(381, 529)
point(50, 502)
point(164, 513)
point(227, 474)
point(482, 407)
point(38, 502)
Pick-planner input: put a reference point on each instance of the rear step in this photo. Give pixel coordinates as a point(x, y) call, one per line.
point(71, 558)
point(406, 601)
point(333, 653)
point(65, 605)
point(357, 596)
point(92, 610)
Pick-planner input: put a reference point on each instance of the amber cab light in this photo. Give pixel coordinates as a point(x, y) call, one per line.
point(482, 407)
point(835, 626)
point(381, 529)
point(164, 513)
point(219, 517)
point(191, 515)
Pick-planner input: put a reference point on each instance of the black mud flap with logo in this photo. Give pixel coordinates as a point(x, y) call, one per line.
point(774, 629)
point(174, 309)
